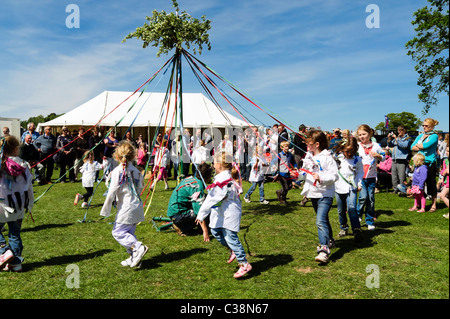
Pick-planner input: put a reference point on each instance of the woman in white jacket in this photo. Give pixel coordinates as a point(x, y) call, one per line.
point(350, 173)
point(320, 173)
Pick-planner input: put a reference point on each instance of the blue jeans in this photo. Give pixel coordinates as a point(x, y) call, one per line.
point(252, 189)
point(347, 203)
point(230, 240)
point(322, 207)
point(366, 201)
point(15, 242)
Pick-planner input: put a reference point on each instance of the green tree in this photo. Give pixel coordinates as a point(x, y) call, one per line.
point(430, 50)
point(408, 120)
point(39, 119)
point(169, 31)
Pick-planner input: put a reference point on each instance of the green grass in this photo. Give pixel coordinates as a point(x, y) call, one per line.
point(411, 251)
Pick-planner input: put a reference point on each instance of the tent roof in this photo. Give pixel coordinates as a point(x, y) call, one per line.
point(110, 107)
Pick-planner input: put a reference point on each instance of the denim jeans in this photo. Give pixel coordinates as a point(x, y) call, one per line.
point(347, 203)
point(15, 242)
point(230, 240)
point(322, 207)
point(253, 188)
point(366, 201)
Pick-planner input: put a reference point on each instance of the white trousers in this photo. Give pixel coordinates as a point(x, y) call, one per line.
point(124, 234)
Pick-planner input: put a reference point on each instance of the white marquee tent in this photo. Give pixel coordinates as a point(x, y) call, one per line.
point(108, 108)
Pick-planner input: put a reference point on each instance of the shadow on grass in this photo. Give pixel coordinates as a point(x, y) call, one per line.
point(349, 244)
point(155, 261)
point(267, 262)
point(63, 260)
point(46, 226)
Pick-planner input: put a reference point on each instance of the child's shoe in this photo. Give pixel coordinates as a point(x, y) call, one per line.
point(13, 267)
point(322, 257)
point(5, 257)
point(323, 252)
point(84, 205)
point(264, 202)
point(247, 200)
point(77, 198)
point(126, 262)
point(412, 209)
point(137, 255)
point(422, 210)
point(232, 257)
point(343, 233)
point(243, 269)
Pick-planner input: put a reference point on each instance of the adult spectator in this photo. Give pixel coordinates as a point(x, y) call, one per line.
point(426, 143)
point(283, 136)
point(336, 139)
point(5, 131)
point(130, 139)
point(95, 139)
point(30, 154)
point(45, 144)
point(31, 129)
point(66, 155)
point(300, 145)
point(401, 144)
point(111, 142)
point(80, 146)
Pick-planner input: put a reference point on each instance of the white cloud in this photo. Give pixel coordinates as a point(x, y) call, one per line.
point(61, 81)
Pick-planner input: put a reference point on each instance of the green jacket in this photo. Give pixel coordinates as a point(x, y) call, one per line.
point(188, 196)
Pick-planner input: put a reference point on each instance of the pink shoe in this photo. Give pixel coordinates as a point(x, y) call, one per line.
point(421, 210)
point(5, 257)
point(243, 269)
point(232, 257)
point(413, 209)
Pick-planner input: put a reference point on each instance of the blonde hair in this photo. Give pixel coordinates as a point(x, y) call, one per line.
point(284, 143)
point(125, 152)
point(86, 156)
point(431, 122)
point(419, 159)
point(226, 160)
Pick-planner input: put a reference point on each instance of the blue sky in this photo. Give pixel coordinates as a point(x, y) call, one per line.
point(308, 61)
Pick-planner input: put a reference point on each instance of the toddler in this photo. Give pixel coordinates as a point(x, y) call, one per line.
point(418, 183)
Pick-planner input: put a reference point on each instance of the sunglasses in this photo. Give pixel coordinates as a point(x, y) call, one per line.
point(424, 125)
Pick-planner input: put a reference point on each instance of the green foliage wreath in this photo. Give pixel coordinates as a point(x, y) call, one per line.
point(171, 30)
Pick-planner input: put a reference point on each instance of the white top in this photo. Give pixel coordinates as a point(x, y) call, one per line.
point(200, 155)
point(88, 170)
point(326, 167)
point(162, 157)
point(224, 205)
point(130, 209)
point(256, 173)
point(13, 207)
point(351, 173)
point(369, 162)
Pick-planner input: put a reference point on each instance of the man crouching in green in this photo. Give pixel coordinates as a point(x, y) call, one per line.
point(186, 201)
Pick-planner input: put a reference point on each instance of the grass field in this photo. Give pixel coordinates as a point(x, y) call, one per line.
point(408, 251)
